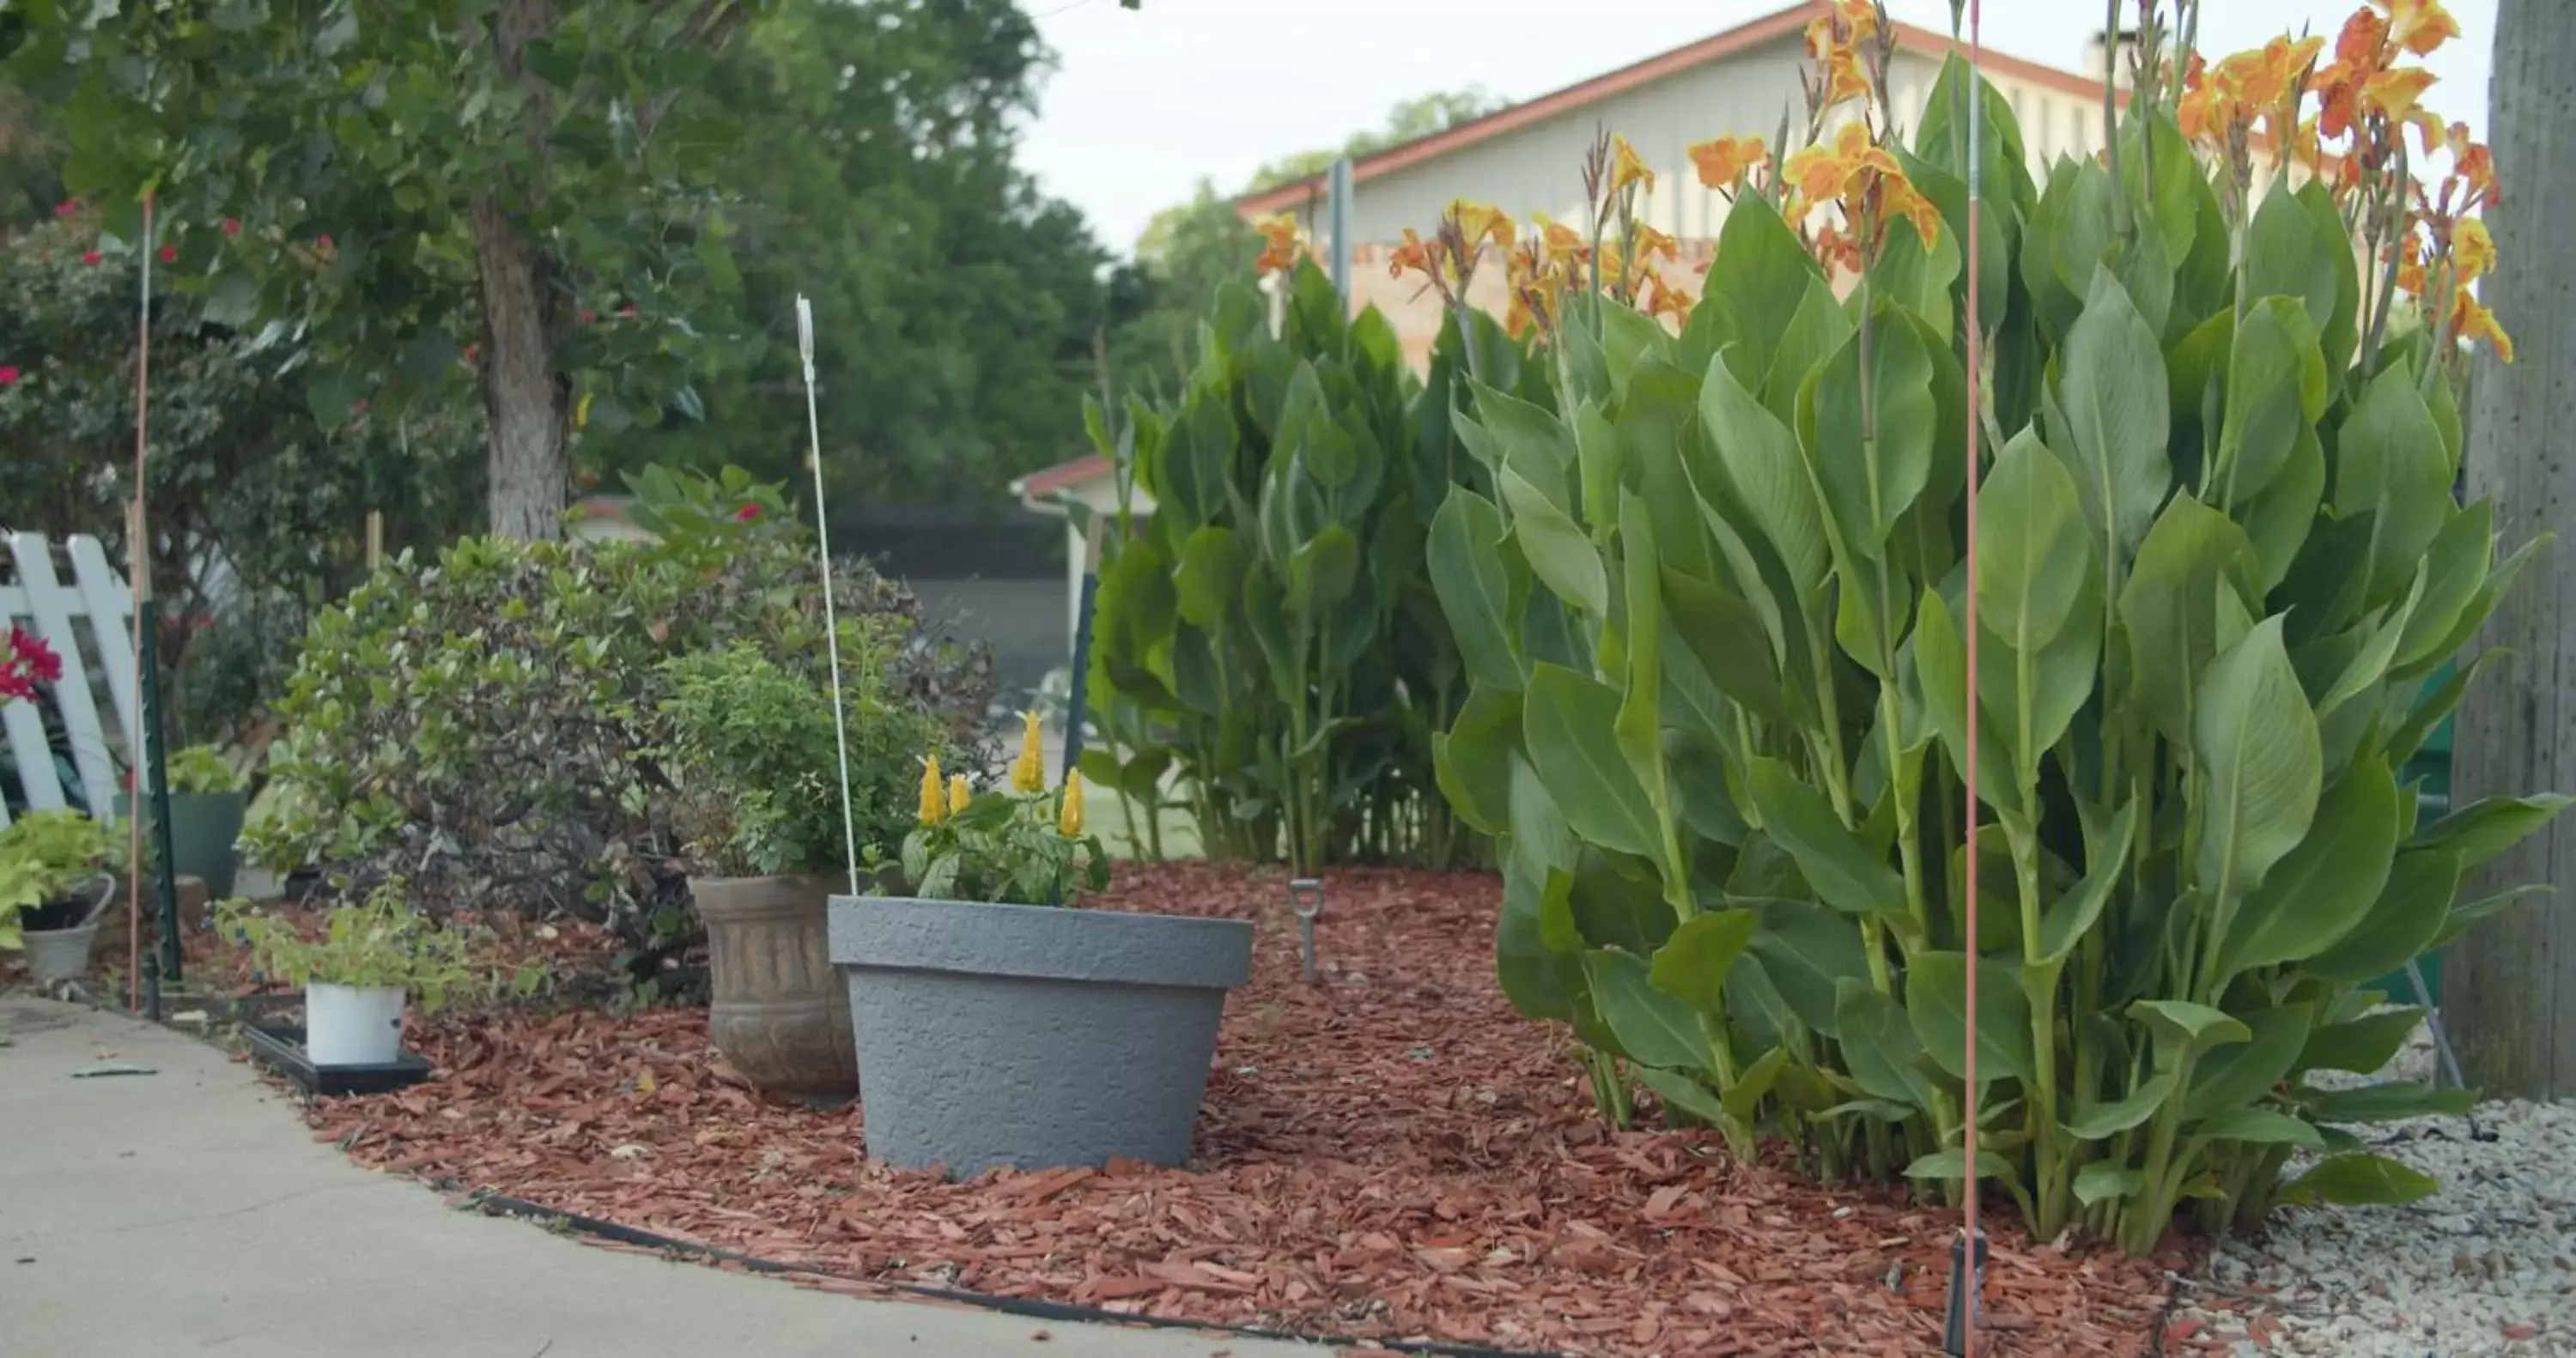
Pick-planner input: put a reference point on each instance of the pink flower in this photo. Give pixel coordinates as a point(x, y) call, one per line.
point(169, 254)
point(69, 207)
point(747, 513)
point(473, 353)
point(626, 310)
point(587, 315)
point(89, 257)
point(324, 241)
point(232, 227)
point(8, 375)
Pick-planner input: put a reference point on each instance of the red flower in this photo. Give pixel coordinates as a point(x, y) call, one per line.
point(473, 353)
point(587, 315)
point(27, 662)
point(8, 375)
point(626, 310)
point(89, 256)
point(324, 240)
point(67, 208)
point(747, 513)
point(232, 227)
point(169, 254)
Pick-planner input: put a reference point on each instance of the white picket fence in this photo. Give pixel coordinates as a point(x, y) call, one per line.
point(96, 607)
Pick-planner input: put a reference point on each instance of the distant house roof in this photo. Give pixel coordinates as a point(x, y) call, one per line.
point(1717, 47)
point(1037, 486)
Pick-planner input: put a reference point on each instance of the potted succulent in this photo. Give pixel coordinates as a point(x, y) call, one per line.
point(1000, 1026)
point(374, 957)
point(756, 798)
point(54, 881)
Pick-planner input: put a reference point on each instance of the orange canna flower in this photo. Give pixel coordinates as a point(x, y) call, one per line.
point(1280, 252)
point(1414, 253)
point(1662, 299)
point(1651, 242)
point(1832, 40)
point(2420, 26)
point(2473, 251)
point(1627, 167)
point(1726, 160)
point(1557, 241)
point(2257, 81)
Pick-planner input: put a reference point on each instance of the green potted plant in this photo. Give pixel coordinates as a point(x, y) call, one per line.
point(1000, 1026)
point(208, 794)
point(54, 867)
point(757, 801)
point(372, 959)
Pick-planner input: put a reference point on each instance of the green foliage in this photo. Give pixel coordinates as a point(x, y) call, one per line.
point(1711, 614)
point(50, 853)
point(203, 768)
point(1014, 846)
point(1270, 633)
point(485, 724)
point(751, 759)
point(380, 942)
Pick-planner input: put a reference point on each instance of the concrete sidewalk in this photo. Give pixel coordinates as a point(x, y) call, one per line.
point(189, 1211)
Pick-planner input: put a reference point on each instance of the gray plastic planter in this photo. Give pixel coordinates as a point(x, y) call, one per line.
point(1032, 1037)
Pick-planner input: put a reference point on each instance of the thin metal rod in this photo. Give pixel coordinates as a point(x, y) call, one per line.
point(138, 567)
point(831, 614)
point(1078, 705)
point(1976, 419)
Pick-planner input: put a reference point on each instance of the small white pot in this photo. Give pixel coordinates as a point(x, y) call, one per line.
point(352, 1026)
point(59, 954)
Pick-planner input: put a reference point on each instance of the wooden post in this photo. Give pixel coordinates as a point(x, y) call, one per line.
point(2509, 986)
point(375, 539)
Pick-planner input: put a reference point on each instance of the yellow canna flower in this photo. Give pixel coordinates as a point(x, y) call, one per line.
point(1479, 223)
point(1627, 167)
point(1069, 816)
point(1727, 159)
point(1279, 252)
point(959, 794)
point(2470, 321)
point(2472, 249)
point(2395, 92)
point(934, 808)
point(1028, 772)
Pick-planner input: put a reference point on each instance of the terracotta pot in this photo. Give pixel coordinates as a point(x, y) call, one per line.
point(780, 1014)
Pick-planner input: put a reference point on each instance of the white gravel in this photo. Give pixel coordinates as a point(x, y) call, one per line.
point(2486, 1266)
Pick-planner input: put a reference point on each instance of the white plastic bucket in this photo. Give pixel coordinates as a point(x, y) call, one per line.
point(59, 954)
point(349, 1026)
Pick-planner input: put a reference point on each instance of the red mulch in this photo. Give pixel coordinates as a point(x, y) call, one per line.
point(1390, 1153)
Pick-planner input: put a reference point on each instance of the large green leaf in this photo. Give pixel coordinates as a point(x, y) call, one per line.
point(2095, 1121)
point(2033, 560)
point(1473, 758)
point(2455, 565)
point(1559, 554)
point(2104, 1180)
point(1570, 729)
point(1765, 473)
point(2259, 1127)
point(1725, 634)
point(1652, 1027)
point(1941, 671)
point(1872, 475)
point(1526, 438)
point(2324, 887)
point(1806, 951)
point(2288, 254)
point(2240, 1074)
point(2182, 1026)
point(2356, 1179)
point(2363, 1045)
point(2466, 914)
point(2276, 390)
point(2390, 466)
point(1693, 963)
point(1640, 724)
point(1472, 566)
point(2401, 923)
point(1818, 330)
point(1210, 578)
point(1845, 872)
point(1684, 1092)
point(2482, 829)
point(2387, 1102)
point(1761, 277)
point(2169, 606)
point(2261, 767)
point(1936, 1000)
point(2071, 916)
point(1879, 1045)
point(2111, 384)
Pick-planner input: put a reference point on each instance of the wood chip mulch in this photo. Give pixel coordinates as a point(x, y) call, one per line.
point(1389, 1153)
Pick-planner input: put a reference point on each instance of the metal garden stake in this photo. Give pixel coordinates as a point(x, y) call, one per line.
point(1306, 897)
point(1967, 1289)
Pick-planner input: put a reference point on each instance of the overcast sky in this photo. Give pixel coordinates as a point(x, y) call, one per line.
point(1143, 103)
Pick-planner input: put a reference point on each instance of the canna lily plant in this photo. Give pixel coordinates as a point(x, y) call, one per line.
point(1713, 620)
point(1023, 845)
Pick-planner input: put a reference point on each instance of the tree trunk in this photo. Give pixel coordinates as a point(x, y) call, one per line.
point(527, 400)
point(2510, 985)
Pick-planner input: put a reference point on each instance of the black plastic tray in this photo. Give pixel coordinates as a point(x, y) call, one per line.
point(280, 1047)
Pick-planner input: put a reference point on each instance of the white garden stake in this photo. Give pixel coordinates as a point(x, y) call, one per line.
point(831, 618)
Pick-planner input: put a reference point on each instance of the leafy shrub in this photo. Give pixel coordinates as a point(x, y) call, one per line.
point(46, 857)
point(1721, 685)
point(1270, 632)
point(379, 942)
point(203, 768)
point(752, 760)
point(485, 726)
